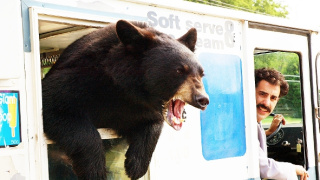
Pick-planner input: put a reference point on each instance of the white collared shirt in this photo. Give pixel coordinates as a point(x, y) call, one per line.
point(269, 168)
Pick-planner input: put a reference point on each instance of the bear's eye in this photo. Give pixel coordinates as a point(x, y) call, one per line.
point(180, 71)
point(183, 69)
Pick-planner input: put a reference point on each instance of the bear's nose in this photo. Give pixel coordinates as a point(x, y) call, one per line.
point(202, 101)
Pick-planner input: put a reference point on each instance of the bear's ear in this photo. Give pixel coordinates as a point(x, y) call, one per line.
point(134, 38)
point(189, 39)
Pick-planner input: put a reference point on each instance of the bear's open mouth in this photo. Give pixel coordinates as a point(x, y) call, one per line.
point(175, 113)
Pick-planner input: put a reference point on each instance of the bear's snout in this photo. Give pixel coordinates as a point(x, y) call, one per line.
point(202, 101)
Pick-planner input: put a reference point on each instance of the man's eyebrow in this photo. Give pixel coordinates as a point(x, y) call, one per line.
point(263, 92)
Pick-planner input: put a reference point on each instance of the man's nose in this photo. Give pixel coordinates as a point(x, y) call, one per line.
point(266, 101)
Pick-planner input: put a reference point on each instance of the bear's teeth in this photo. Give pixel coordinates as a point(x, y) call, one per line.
point(175, 98)
point(177, 121)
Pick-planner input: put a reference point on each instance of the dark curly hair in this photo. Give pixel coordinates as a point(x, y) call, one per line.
point(274, 77)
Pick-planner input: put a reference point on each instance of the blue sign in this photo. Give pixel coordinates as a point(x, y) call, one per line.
point(9, 118)
point(223, 122)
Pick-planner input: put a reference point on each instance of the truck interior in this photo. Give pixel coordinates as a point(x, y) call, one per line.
point(288, 143)
point(54, 38)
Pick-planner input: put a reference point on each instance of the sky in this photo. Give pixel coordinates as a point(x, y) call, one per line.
point(303, 11)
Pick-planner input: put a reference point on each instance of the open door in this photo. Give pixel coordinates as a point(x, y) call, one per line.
point(317, 103)
point(286, 50)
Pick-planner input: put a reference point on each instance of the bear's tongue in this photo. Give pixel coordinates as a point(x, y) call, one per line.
point(176, 114)
point(178, 107)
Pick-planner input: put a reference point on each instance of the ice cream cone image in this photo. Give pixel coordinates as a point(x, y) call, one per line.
point(12, 108)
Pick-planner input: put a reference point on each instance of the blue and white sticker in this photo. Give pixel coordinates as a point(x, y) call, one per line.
point(9, 118)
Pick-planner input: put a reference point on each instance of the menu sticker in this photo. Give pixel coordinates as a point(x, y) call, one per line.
point(9, 118)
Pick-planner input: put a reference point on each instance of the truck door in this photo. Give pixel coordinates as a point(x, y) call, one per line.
point(316, 92)
point(286, 50)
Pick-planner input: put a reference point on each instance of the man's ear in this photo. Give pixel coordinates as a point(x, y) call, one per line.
point(134, 38)
point(189, 39)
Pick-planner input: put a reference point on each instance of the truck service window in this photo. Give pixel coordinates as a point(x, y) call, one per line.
point(288, 144)
point(54, 38)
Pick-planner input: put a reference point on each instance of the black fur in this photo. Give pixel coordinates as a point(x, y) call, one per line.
point(118, 77)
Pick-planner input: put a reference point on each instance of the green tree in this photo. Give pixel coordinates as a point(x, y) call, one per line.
point(266, 7)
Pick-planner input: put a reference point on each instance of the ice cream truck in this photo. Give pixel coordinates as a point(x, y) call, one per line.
point(218, 143)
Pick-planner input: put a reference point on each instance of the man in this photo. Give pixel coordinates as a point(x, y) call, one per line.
point(270, 86)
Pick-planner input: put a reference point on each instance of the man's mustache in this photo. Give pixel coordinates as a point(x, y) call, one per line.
point(264, 107)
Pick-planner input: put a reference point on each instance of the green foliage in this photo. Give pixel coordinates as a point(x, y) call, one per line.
point(288, 64)
point(268, 120)
point(285, 62)
point(267, 7)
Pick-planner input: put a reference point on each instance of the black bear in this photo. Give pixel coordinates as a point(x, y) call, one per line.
point(128, 77)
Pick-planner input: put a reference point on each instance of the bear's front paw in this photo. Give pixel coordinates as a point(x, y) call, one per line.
point(136, 167)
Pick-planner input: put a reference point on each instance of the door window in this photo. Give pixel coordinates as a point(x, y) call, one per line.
point(287, 145)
